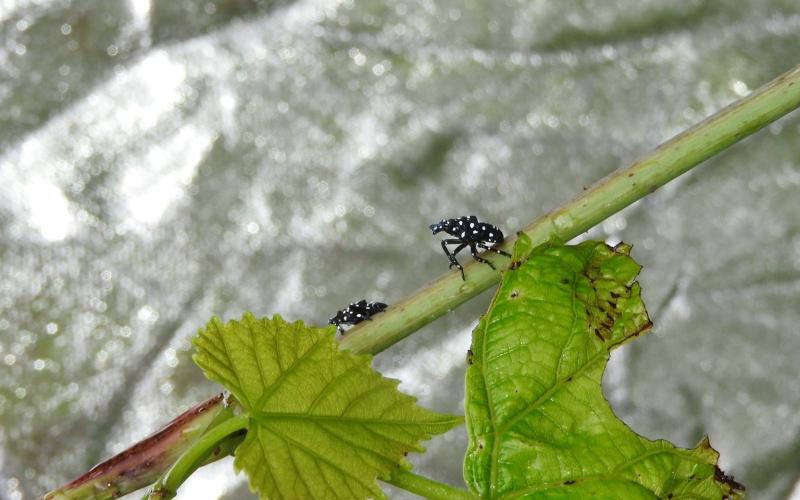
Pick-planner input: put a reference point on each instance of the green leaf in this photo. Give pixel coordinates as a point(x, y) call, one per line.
point(323, 424)
point(538, 424)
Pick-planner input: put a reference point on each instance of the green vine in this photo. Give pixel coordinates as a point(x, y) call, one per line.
point(600, 201)
point(427, 488)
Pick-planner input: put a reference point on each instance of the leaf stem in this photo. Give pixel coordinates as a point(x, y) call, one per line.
point(167, 486)
point(427, 488)
point(608, 196)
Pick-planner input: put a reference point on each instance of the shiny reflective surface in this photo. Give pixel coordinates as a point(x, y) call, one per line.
point(161, 162)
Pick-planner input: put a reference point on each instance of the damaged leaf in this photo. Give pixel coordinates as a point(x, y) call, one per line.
point(538, 423)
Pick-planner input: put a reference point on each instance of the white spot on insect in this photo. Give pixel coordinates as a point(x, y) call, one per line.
point(463, 234)
point(491, 235)
point(475, 231)
point(461, 223)
point(471, 224)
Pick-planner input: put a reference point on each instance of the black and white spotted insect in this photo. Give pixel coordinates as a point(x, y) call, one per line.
point(469, 232)
point(355, 313)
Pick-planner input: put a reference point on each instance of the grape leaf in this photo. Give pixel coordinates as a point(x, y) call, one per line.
point(537, 421)
point(323, 424)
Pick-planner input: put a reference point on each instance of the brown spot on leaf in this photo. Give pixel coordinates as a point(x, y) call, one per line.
point(728, 480)
point(645, 328)
point(568, 482)
point(514, 294)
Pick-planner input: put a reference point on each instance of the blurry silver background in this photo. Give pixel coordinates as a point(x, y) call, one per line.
point(161, 162)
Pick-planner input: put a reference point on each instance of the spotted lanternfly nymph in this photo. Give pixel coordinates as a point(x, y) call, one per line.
point(355, 313)
point(469, 232)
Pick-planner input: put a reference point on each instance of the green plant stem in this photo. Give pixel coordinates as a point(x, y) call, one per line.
point(427, 488)
point(167, 486)
point(605, 198)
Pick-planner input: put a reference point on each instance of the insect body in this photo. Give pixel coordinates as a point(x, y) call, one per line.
point(356, 313)
point(469, 232)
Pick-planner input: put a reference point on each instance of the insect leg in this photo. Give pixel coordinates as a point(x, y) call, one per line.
point(452, 256)
point(478, 257)
point(493, 249)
